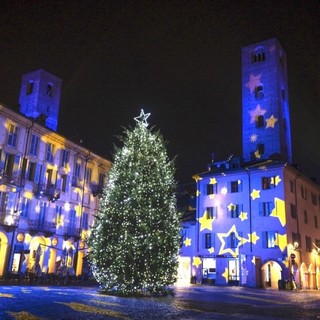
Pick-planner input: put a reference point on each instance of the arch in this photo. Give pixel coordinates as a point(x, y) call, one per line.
point(35, 259)
point(271, 273)
point(304, 272)
point(312, 276)
point(3, 252)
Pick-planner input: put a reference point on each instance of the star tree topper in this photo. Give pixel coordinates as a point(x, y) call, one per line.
point(143, 118)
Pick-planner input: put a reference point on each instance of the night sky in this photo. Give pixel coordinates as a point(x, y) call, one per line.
point(180, 61)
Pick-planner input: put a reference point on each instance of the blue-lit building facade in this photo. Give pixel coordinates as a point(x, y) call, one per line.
point(257, 216)
point(49, 186)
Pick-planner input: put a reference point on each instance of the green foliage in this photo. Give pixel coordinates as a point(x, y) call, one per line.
point(135, 241)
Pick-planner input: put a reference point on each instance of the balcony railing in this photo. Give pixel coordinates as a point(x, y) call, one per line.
point(46, 191)
point(12, 180)
point(38, 225)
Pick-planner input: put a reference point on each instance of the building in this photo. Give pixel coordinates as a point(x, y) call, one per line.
point(49, 186)
point(257, 216)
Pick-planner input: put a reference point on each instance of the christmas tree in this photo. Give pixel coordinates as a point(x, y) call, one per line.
point(135, 241)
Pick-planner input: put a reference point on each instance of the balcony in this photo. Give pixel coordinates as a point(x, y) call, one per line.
point(46, 191)
point(37, 225)
point(9, 220)
point(71, 232)
point(10, 180)
point(96, 189)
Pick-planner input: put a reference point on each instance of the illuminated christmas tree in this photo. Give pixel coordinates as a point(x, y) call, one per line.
point(135, 241)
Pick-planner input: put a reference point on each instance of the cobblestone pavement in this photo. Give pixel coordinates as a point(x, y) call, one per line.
point(188, 303)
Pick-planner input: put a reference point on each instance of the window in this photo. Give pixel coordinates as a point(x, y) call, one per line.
point(11, 164)
point(59, 215)
point(293, 210)
point(208, 240)
point(88, 175)
point(3, 201)
point(296, 237)
point(236, 210)
point(303, 192)
point(305, 216)
point(76, 174)
point(236, 186)
point(260, 123)
point(101, 181)
point(25, 204)
point(85, 221)
point(64, 183)
point(271, 239)
point(50, 90)
point(316, 222)
point(31, 171)
point(261, 148)
point(49, 154)
point(211, 189)
point(308, 243)
point(268, 182)
point(265, 208)
point(72, 221)
point(29, 88)
point(258, 91)
point(64, 158)
point(233, 240)
point(12, 135)
point(34, 143)
point(314, 199)
point(291, 186)
point(258, 55)
point(212, 212)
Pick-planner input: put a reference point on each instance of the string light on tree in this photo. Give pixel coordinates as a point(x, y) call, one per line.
point(136, 238)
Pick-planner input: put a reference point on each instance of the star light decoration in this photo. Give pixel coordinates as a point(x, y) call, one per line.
point(254, 114)
point(196, 262)
point(143, 118)
point(253, 137)
point(271, 122)
point(187, 242)
point(205, 222)
point(254, 82)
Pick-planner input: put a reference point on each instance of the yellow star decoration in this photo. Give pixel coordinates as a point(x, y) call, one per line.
point(198, 193)
point(211, 250)
point(243, 216)
point(196, 178)
point(255, 194)
point(276, 180)
point(279, 211)
point(226, 274)
point(211, 196)
point(257, 154)
point(282, 241)
point(254, 238)
point(187, 242)
point(271, 122)
point(231, 206)
point(233, 251)
point(196, 262)
point(213, 181)
point(205, 222)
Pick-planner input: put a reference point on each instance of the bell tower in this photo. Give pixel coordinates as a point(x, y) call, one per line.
point(266, 130)
point(40, 97)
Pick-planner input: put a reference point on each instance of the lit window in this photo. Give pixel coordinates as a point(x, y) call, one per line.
point(50, 90)
point(212, 212)
point(49, 154)
point(211, 189)
point(271, 239)
point(29, 88)
point(260, 123)
point(265, 208)
point(34, 143)
point(12, 135)
point(236, 210)
point(236, 186)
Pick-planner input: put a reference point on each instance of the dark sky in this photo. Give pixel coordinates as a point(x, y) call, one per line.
point(178, 60)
